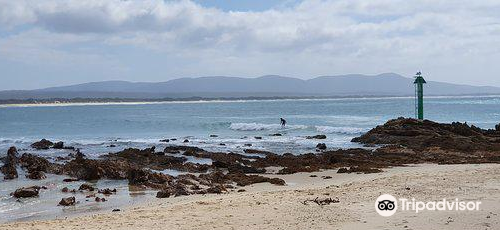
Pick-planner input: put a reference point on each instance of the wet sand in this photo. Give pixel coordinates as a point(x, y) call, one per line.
point(266, 206)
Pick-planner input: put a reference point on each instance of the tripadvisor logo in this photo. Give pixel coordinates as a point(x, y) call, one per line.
point(387, 205)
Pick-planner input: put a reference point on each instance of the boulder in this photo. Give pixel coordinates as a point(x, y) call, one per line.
point(86, 187)
point(107, 191)
point(98, 199)
point(321, 136)
point(26, 192)
point(321, 146)
point(9, 168)
point(69, 201)
point(42, 144)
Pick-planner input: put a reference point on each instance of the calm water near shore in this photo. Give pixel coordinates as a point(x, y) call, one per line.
point(94, 128)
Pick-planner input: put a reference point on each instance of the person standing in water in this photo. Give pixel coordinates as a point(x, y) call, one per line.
point(283, 122)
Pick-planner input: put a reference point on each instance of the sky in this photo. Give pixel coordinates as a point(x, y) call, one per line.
point(54, 42)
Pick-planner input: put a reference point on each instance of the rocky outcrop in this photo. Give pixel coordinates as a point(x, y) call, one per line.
point(422, 135)
point(10, 162)
point(90, 169)
point(34, 164)
point(36, 175)
point(149, 179)
point(147, 158)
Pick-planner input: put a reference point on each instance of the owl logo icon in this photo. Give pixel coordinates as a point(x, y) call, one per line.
point(386, 205)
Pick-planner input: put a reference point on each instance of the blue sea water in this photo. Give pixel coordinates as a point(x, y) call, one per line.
point(94, 127)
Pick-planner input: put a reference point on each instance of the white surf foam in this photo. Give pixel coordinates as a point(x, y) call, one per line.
point(340, 130)
point(260, 127)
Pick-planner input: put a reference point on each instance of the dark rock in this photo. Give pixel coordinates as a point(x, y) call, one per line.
point(321, 146)
point(427, 135)
point(276, 135)
point(87, 187)
point(258, 138)
point(148, 178)
point(316, 137)
point(256, 151)
point(70, 180)
point(359, 169)
point(66, 190)
point(213, 135)
point(70, 201)
point(222, 144)
point(111, 146)
point(107, 191)
point(42, 144)
point(33, 163)
point(241, 190)
point(98, 199)
point(89, 169)
point(186, 141)
point(9, 168)
point(177, 149)
point(343, 170)
point(248, 144)
point(36, 175)
point(165, 140)
point(26, 192)
point(242, 179)
point(116, 210)
point(58, 145)
point(163, 194)
point(217, 189)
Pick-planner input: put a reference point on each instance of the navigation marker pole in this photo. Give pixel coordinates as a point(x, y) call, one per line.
point(419, 95)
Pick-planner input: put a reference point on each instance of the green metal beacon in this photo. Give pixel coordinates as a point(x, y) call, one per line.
point(419, 95)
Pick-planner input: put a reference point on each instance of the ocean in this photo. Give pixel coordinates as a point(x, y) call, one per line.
point(94, 128)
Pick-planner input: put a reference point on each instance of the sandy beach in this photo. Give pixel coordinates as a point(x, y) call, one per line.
point(266, 206)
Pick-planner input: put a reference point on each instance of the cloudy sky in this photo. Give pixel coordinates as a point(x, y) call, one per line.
point(56, 42)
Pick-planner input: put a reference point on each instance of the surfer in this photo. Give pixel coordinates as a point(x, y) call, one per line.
point(283, 122)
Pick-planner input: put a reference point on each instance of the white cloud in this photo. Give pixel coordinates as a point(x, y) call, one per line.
point(311, 38)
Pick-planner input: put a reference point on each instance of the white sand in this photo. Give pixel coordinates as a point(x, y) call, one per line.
point(265, 206)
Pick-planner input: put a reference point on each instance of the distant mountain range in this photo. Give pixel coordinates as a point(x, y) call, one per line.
point(387, 84)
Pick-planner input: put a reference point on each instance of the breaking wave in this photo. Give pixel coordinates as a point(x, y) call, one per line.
point(277, 127)
point(260, 127)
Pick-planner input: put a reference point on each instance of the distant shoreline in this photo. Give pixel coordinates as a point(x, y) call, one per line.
point(132, 101)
